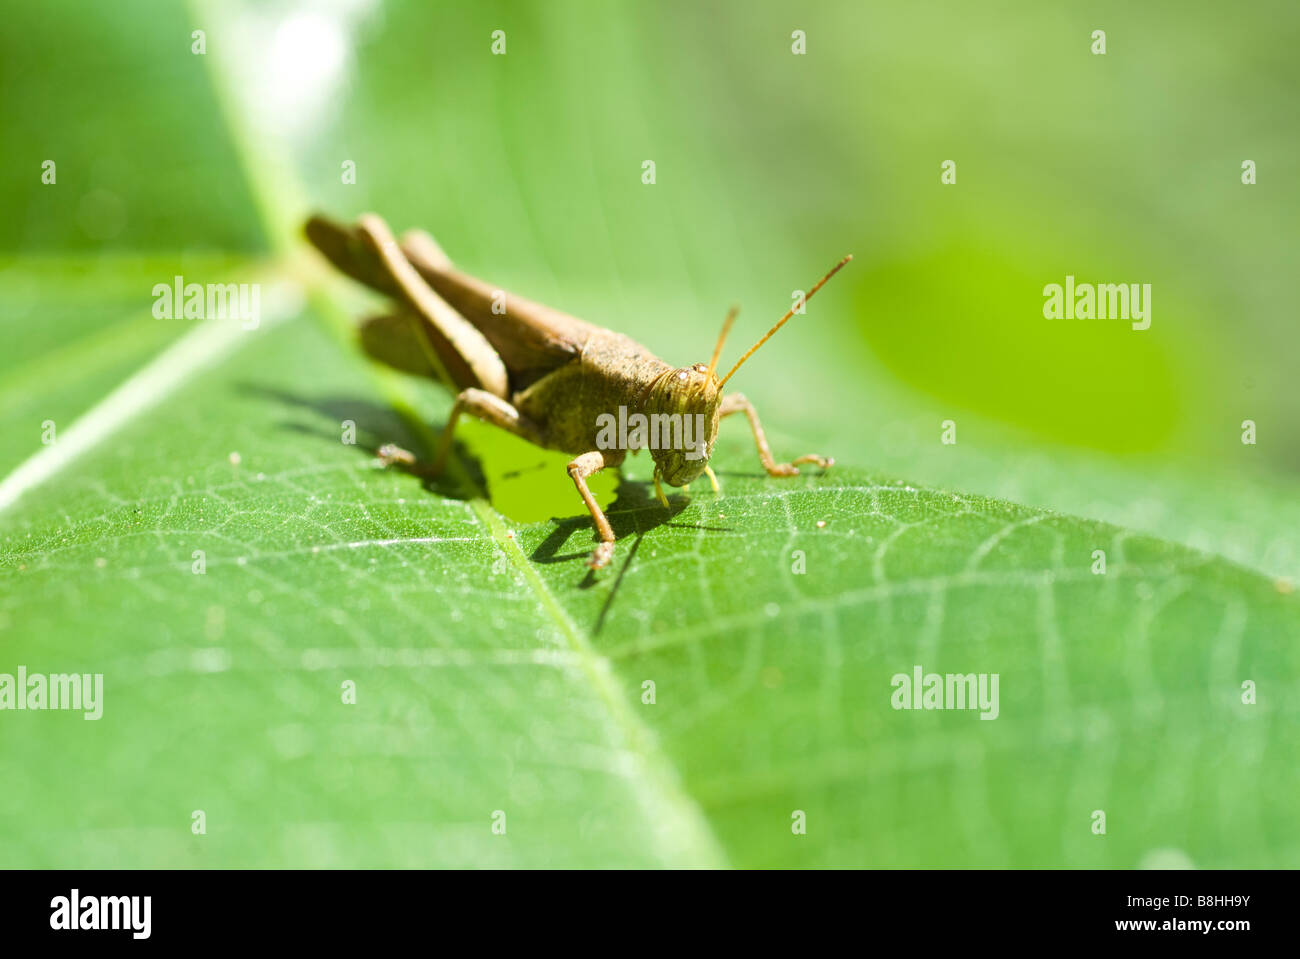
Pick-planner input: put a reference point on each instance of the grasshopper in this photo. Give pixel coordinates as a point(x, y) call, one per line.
point(540, 374)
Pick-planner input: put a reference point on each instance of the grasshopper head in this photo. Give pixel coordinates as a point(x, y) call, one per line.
point(692, 397)
point(683, 406)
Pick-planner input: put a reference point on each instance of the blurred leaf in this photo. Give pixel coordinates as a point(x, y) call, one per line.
point(492, 673)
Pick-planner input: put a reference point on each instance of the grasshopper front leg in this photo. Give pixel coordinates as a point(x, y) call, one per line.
point(737, 403)
point(579, 469)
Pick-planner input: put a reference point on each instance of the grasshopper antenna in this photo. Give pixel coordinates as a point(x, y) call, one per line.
point(722, 338)
point(781, 322)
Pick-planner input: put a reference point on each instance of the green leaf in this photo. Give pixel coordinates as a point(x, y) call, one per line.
point(201, 534)
point(493, 675)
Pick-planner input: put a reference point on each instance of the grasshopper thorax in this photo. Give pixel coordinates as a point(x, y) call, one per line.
point(682, 405)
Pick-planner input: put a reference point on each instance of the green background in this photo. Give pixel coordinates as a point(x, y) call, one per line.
point(492, 673)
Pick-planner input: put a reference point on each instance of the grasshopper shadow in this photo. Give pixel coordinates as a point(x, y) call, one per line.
point(376, 425)
point(634, 512)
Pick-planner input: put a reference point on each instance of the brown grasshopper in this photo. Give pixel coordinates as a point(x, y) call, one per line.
point(538, 373)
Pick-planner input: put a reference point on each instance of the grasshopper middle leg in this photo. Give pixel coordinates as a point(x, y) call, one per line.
point(481, 405)
point(737, 403)
point(492, 409)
